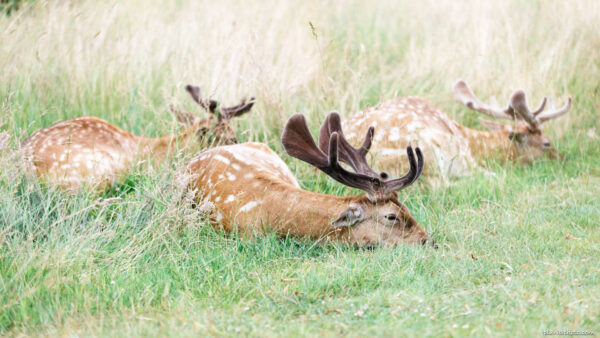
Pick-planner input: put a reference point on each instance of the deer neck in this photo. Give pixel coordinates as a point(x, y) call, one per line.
point(485, 144)
point(305, 213)
point(160, 148)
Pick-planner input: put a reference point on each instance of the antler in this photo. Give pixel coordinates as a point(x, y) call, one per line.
point(517, 108)
point(519, 103)
point(465, 95)
point(356, 158)
point(299, 143)
point(211, 105)
point(239, 109)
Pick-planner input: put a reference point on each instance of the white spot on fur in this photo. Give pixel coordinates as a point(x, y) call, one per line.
point(394, 134)
point(230, 199)
point(222, 159)
point(249, 206)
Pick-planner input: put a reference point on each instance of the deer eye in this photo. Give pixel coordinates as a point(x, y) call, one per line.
point(546, 145)
point(391, 217)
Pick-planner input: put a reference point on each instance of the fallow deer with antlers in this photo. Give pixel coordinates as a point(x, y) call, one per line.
point(252, 189)
point(454, 148)
point(92, 152)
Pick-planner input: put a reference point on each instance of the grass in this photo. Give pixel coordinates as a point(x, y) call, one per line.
point(518, 251)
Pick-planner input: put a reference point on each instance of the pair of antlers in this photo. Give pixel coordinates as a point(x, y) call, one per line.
point(225, 113)
point(333, 147)
point(516, 109)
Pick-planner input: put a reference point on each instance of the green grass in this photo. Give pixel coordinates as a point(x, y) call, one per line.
point(518, 251)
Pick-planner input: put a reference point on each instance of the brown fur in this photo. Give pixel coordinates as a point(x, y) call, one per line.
point(92, 152)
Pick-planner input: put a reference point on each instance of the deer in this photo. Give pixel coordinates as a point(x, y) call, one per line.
point(250, 189)
point(91, 152)
point(454, 149)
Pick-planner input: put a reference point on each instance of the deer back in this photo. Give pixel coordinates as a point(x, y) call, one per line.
point(241, 181)
point(412, 120)
point(84, 149)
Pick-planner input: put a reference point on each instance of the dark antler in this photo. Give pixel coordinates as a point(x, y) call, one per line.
point(211, 105)
point(299, 143)
point(356, 158)
point(238, 110)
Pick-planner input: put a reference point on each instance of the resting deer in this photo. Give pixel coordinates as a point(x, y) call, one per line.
point(455, 149)
point(92, 152)
point(251, 189)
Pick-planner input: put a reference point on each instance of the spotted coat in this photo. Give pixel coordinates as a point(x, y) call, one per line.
point(450, 149)
point(250, 189)
point(92, 152)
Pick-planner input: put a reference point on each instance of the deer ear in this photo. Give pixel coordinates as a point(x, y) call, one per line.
point(493, 126)
point(349, 217)
point(518, 137)
point(183, 117)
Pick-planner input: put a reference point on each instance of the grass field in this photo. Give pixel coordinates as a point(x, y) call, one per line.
point(519, 251)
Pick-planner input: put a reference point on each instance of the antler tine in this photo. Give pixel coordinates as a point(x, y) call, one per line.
point(518, 102)
point(542, 106)
point(420, 164)
point(465, 95)
point(355, 158)
point(209, 105)
point(552, 114)
point(416, 168)
point(238, 110)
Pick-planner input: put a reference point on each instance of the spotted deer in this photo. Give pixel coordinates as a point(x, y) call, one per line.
point(88, 151)
point(454, 148)
point(251, 189)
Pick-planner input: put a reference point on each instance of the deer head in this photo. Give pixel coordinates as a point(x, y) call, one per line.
point(376, 217)
point(216, 129)
point(526, 136)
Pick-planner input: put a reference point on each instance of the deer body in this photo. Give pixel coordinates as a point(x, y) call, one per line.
point(455, 150)
point(253, 190)
point(407, 120)
point(88, 151)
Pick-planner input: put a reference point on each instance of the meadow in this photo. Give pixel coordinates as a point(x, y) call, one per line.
point(518, 251)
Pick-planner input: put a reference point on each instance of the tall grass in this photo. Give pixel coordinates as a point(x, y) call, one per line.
point(518, 251)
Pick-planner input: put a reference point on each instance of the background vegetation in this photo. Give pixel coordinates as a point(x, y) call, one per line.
point(519, 251)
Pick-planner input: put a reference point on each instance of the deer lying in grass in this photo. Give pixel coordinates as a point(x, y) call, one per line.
point(454, 148)
point(251, 189)
point(92, 152)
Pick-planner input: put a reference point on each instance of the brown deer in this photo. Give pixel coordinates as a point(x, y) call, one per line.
point(92, 152)
point(251, 189)
point(454, 148)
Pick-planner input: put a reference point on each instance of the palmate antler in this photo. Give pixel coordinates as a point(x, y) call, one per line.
point(299, 143)
point(516, 109)
point(211, 105)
